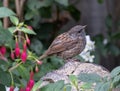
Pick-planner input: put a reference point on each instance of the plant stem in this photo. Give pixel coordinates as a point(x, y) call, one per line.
point(12, 83)
point(12, 68)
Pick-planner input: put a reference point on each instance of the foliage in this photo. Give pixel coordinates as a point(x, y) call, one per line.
point(107, 45)
point(101, 84)
point(46, 19)
point(5, 12)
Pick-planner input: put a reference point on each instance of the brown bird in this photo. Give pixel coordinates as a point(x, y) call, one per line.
point(68, 44)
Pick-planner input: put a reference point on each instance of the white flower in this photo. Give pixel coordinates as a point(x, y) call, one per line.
point(90, 46)
point(87, 57)
point(105, 41)
point(8, 88)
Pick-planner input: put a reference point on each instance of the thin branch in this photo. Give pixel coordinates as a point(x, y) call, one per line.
point(19, 10)
point(17, 4)
point(5, 20)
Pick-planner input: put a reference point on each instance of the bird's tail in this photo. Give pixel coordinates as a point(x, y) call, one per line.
point(42, 57)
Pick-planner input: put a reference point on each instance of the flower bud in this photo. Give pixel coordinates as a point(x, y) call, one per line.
point(12, 55)
point(28, 41)
point(36, 69)
point(11, 88)
point(31, 75)
point(30, 27)
point(17, 50)
point(39, 62)
point(23, 56)
point(3, 50)
point(25, 46)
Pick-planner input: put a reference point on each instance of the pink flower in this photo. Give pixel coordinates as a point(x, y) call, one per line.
point(25, 46)
point(31, 83)
point(31, 74)
point(36, 69)
point(12, 55)
point(28, 89)
point(39, 62)
point(11, 88)
point(17, 50)
point(28, 41)
point(30, 27)
point(22, 89)
point(23, 56)
point(3, 50)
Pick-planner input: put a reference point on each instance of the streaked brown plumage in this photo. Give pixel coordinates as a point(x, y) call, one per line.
point(68, 44)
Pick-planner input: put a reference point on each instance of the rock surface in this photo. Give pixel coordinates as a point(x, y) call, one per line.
point(73, 68)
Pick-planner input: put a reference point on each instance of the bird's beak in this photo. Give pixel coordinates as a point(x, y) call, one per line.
point(84, 26)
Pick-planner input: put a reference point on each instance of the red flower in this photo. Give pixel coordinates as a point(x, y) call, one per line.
point(17, 50)
point(3, 50)
point(31, 83)
point(28, 89)
point(12, 55)
point(23, 56)
point(22, 89)
point(31, 75)
point(11, 88)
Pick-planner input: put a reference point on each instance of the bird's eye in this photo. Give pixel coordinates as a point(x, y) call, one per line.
point(79, 31)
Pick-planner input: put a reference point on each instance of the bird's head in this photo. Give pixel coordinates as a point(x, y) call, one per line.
point(77, 31)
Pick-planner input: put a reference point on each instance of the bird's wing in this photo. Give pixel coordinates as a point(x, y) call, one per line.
point(61, 43)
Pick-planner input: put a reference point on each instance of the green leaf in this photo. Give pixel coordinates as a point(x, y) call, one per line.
point(87, 86)
point(12, 29)
point(109, 21)
point(5, 12)
point(28, 31)
point(100, 1)
point(114, 49)
point(2, 87)
point(0, 23)
point(115, 72)
point(36, 4)
point(62, 2)
point(37, 85)
point(23, 72)
point(116, 36)
point(74, 12)
point(57, 86)
point(67, 87)
point(46, 14)
point(102, 86)
point(14, 20)
point(4, 78)
point(36, 46)
point(29, 15)
point(91, 77)
point(5, 36)
point(116, 81)
point(74, 80)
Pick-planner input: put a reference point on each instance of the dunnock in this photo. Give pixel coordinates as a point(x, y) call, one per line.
point(68, 44)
